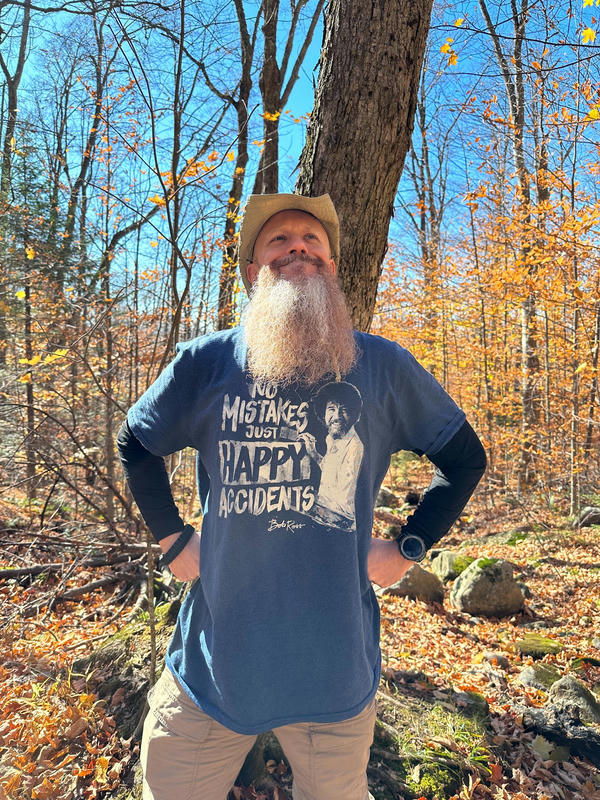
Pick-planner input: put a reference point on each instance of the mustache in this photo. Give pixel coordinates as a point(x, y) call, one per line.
point(283, 261)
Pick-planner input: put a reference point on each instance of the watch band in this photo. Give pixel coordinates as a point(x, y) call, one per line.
point(178, 545)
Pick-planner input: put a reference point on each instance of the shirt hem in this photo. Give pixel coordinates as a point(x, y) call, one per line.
point(269, 725)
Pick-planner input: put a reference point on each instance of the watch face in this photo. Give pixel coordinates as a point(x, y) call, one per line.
point(413, 547)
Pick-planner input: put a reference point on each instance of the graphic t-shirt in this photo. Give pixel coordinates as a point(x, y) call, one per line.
point(283, 625)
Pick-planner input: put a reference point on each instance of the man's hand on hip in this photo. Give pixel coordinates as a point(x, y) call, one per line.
point(186, 567)
point(385, 564)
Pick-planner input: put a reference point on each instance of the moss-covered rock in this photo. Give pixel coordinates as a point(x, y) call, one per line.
point(487, 587)
point(540, 676)
point(429, 744)
point(448, 565)
point(419, 584)
point(434, 780)
point(537, 646)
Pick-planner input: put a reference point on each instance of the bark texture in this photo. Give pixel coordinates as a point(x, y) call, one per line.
point(361, 127)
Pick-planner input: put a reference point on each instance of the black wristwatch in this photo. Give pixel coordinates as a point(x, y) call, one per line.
point(411, 546)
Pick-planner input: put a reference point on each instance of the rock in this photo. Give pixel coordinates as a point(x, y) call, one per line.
point(496, 659)
point(580, 663)
point(386, 498)
point(448, 565)
point(412, 498)
point(541, 624)
point(524, 588)
point(392, 531)
point(590, 515)
point(473, 703)
point(537, 646)
point(487, 587)
point(419, 584)
point(568, 691)
point(385, 510)
point(517, 535)
point(540, 676)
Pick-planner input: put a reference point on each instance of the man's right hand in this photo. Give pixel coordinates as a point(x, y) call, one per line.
point(186, 567)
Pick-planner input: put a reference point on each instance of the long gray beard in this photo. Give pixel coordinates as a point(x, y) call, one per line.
point(298, 331)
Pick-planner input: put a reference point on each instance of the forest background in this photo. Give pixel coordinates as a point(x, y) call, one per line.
point(131, 136)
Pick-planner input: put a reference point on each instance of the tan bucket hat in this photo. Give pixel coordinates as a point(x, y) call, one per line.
point(261, 207)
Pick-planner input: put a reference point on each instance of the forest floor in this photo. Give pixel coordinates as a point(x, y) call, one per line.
point(59, 740)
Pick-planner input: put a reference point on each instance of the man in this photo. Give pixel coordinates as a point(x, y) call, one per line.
point(281, 630)
point(338, 406)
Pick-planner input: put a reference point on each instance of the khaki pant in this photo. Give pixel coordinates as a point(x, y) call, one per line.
point(187, 755)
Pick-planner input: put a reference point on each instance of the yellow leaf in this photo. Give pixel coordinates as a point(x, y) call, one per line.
point(61, 352)
point(445, 48)
point(100, 769)
point(153, 244)
point(30, 252)
point(20, 294)
point(458, 22)
point(160, 201)
point(588, 3)
point(452, 60)
point(25, 378)
point(536, 65)
point(230, 156)
point(588, 35)
point(593, 113)
point(581, 367)
point(12, 143)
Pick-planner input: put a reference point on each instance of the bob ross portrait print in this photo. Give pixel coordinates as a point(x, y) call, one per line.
point(283, 454)
point(338, 407)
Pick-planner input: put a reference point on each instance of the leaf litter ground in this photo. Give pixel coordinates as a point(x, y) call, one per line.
point(58, 740)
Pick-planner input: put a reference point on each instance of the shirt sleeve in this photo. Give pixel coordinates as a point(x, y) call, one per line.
point(148, 482)
point(459, 467)
point(426, 417)
point(158, 419)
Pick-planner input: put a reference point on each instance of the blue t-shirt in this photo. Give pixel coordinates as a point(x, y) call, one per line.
point(283, 625)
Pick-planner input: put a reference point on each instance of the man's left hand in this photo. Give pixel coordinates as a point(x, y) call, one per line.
point(385, 564)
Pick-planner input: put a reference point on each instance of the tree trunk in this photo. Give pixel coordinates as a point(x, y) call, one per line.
point(267, 176)
point(360, 130)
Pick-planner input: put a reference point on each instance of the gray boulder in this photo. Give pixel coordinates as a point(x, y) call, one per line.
point(419, 584)
point(386, 498)
point(448, 565)
point(487, 587)
point(540, 676)
point(497, 659)
point(589, 515)
point(568, 691)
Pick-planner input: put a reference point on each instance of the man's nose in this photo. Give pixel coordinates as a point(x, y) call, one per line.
point(296, 244)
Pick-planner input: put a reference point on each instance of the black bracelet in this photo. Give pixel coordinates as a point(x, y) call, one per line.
point(178, 545)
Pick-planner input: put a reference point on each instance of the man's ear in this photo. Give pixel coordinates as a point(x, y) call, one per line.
point(332, 266)
point(252, 271)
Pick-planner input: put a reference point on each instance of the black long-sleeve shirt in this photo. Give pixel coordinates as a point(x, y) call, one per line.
point(459, 467)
